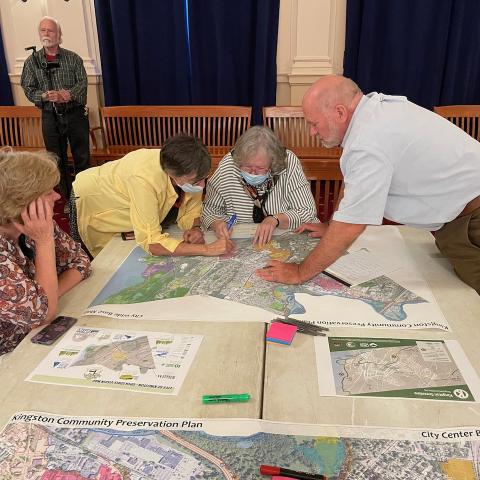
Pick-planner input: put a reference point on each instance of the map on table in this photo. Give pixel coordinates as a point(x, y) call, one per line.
point(154, 362)
point(393, 367)
point(154, 287)
point(41, 446)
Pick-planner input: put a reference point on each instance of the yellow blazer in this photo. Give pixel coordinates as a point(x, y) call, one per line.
point(132, 193)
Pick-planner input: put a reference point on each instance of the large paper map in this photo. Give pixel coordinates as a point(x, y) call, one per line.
point(142, 281)
point(153, 362)
point(41, 446)
point(395, 367)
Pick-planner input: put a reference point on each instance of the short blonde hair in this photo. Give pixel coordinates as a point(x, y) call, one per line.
point(24, 176)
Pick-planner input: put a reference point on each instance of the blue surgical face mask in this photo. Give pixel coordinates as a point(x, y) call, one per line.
point(254, 180)
point(189, 188)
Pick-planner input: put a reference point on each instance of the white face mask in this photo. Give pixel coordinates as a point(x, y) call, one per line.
point(189, 188)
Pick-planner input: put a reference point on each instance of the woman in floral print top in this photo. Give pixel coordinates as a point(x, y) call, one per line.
point(38, 261)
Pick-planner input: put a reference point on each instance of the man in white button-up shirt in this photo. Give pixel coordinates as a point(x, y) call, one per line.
point(400, 162)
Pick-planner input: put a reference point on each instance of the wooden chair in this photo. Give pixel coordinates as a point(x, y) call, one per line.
point(21, 128)
point(128, 128)
point(320, 164)
point(467, 117)
point(292, 129)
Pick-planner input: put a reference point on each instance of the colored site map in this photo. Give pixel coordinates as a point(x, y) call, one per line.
point(60, 448)
point(143, 279)
point(391, 367)
point(141, 361)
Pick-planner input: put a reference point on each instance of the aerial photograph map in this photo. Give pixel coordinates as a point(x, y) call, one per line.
point(38, 446)
point(143, 279)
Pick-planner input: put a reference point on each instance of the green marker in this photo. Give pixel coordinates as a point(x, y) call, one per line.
point(227, 398)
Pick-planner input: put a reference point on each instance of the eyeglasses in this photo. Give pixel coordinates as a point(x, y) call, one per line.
point(195, 182)
point(255, 170)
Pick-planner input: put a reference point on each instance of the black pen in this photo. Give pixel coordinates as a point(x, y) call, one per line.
point(303, 329)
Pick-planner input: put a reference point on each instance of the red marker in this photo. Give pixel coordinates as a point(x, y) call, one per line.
point(286, 472)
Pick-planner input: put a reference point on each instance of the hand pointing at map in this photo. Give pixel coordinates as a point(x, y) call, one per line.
point(275, 271)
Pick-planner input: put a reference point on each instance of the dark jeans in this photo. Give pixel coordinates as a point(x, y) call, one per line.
point(59, 130)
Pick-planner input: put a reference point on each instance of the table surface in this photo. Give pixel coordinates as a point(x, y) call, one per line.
point(230, 360)
point(291, 384)
point(233, 359)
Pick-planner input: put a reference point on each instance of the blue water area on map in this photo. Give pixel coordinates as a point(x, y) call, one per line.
point(132, 270)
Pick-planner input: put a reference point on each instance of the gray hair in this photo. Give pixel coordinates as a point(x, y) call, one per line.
point(56, 22)
point(256, 139)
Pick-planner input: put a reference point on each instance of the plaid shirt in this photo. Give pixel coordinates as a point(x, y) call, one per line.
point(70, 75)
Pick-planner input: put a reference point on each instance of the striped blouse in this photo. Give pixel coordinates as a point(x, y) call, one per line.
point(291, 195)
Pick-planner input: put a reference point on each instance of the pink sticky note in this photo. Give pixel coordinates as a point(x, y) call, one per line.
point(277, 477)
point(281, 333)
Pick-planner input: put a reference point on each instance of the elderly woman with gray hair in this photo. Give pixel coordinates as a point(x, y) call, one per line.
point(258, 181)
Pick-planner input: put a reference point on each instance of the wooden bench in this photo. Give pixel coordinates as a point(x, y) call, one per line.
point(21, 128)
point(320, 164)
point(128, 128)
point(132, 127)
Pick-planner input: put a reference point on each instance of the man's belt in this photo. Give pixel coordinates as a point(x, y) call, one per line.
point(62, 108)
point(470, 207)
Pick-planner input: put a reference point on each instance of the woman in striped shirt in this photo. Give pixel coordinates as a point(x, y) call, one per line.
point(259, 181)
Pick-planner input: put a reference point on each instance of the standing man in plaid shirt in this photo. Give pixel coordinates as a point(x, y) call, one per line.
point(55, 80)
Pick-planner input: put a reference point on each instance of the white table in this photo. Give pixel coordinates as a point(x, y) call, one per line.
point(291, 385)
point(230, 360)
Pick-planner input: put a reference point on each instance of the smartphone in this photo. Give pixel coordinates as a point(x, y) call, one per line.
point(53, 331)
point(128, 236)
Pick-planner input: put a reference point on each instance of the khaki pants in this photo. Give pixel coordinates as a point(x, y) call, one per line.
point(459, 241)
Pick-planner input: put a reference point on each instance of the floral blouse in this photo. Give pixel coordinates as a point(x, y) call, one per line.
point(23, 302)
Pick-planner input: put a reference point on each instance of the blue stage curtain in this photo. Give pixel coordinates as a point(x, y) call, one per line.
point(5, 86)
point(144, 52)
point(428, 50)
point(233, 47)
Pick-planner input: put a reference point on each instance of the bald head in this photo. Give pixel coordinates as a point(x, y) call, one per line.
point(331, 90)
point(328, 106)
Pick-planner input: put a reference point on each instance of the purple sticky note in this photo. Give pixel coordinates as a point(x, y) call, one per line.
point(281, 333)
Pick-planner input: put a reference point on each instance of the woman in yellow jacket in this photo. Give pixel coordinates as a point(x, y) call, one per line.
point(144, 191)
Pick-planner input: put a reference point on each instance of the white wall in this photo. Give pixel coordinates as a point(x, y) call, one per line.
point(310, 43)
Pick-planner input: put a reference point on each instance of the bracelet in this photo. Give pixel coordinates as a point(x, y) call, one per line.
point(276, 218)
